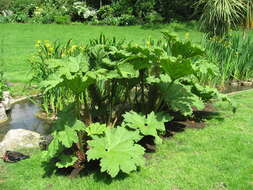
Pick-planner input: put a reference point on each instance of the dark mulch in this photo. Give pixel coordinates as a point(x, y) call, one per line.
point(197, 121)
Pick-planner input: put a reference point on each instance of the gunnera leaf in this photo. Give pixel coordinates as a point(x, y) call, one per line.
point(96, 129)
point(66, 161)
point(117, 151)
point(179, 98)
point(149, 125)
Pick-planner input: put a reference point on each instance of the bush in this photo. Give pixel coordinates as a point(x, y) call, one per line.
point(154, 18)
point(5, 19)
point(127, 20)
point(5, 5)
point(66, 19)
point(110, 21)
point(83, 11)
point(104, 12)
point(19, 17)
point(123, 20)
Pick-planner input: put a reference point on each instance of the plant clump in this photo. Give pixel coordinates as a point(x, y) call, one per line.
point(111, 94)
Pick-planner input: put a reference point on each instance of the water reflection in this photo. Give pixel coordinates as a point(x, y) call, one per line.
point(22, 116)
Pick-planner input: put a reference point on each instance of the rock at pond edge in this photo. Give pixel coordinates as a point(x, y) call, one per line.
point(17, 139)
point(3, 116)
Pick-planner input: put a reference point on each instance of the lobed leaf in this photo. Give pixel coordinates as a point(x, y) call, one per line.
point(117, 151)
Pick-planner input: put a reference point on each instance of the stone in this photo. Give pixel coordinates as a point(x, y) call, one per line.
point(17, 139)
point(3, 116)
point(6, 100)
point(234, 84)
point(247, 83)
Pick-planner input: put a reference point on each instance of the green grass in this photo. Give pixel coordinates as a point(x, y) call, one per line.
point(218, 157)
point(17, 40)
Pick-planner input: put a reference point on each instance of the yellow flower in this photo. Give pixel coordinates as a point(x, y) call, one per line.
point(74, 47)
point(187, 35)
point(148, 43)
point(47, 45)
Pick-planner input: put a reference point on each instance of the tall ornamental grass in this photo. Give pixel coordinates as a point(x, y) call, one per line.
point(233, 55)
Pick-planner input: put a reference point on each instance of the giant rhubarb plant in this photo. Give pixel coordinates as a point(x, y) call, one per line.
point(105, 83)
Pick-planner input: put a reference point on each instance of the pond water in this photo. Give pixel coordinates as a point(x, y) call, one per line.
point(22, 116)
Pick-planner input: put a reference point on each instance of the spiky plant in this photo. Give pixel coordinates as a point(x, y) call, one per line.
point(219, 16)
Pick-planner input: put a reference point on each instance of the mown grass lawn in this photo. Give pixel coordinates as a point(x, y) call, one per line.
point(218, 157)
point(17, 40)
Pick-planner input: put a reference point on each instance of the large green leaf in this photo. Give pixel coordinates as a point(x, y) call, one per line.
point(117, 151)
point(186, 49)
point(65, 133)
point(96, 129)
point(180, 98)
point(54, 148)
point(66, 161)
point(67, 136)
point(149, 125)
point(176, 67)
point(127, 70)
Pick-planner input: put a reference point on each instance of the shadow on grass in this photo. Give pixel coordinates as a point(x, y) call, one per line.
point(105, 178)
point(91, 169)
point(198, 121)
point(179, 124)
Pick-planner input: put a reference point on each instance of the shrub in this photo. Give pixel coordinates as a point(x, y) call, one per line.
point(104, 12)
point(19, 17)
point(111, 21)
point(5, 5)
point(83, 11)
point(62, 19)
point(5, 19)
point(154, 18)
point(127, 20)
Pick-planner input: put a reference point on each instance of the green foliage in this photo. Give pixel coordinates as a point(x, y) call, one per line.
point(178, 10)
point(232, 55)
point(5, 4)
point(219, 16)
point(105, 12)
point(182, 99)
point(149, 125)
point(66, 161)
point(3, 85)
point(65, 135)
point(117, 151)
point(106, 80)
point(95, 129)
point(62, 19)
point(154, 18)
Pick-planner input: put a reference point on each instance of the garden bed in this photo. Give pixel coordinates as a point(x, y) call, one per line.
point(215, 157)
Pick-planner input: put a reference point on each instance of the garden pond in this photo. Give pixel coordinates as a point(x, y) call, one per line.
point(23, 116)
